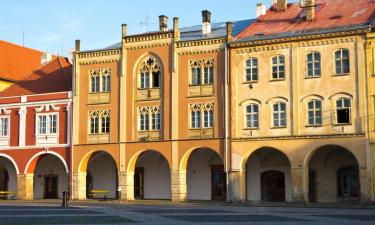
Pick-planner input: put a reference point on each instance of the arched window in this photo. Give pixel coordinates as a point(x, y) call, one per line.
point(100, 80)
point(149, 74)
point(251, 69)
point(106, 120)
point(313, 64)
point(106, 80)
point(342, 62)
point(343, 111)
point(314, 112)
point(196, 68)
point(95, 81)
point(252, 116)
point(278, 67)
point(149, 118)
point(279, 114)
point(94, 122)
point(208, 119)
point(100, 122)
point(199, 112)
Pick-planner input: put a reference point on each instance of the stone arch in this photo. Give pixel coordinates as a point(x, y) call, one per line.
point(11, 160)
point(82, 166)
point(31, 164)
point(248, 154)
point(8, 173)
point(185, 158)
point(133, 160)
point(139, 61)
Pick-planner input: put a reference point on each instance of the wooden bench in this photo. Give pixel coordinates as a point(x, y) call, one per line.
point(98, 193)
point(7, 194)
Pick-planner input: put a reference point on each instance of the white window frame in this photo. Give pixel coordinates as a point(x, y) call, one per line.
point(48, 124)
point(342, 99)
point(155, 121)
point(252, 115)
point(279, 113)
point(278, 65)
point(195, 123)
point(208, 118)
point(251, 67)
point(341, 59)
point(314, 111)
point(7, 128)
point(106, 83)
point(313, 62)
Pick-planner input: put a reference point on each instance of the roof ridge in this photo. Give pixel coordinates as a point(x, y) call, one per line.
point(20, 46)
point(68, 82)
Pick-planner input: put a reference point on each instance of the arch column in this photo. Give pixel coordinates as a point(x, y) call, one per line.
point(25, 186)
point(237, 186)
point(178, 186)
point(299, 187)
point(129, 186)
point(365, 184)
point(122, 185)
point(79, 185)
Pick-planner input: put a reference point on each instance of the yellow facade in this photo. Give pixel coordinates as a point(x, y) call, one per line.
point(4, 84)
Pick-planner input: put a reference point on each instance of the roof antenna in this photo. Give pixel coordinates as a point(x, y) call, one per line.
point(146, 23)
point(23, 38)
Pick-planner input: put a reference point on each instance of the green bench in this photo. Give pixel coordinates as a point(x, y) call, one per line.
point(8, 195)
point(95, 193)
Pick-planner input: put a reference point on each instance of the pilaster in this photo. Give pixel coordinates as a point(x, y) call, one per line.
point(299, 178)
point(25, 186)
point(79, 186)
point(179, 187)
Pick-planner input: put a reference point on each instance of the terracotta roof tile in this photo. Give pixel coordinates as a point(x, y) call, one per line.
point(55, 76)
point(16, 61)
point(329, 14)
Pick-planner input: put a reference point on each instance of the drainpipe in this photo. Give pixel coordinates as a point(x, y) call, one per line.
point(226, 122)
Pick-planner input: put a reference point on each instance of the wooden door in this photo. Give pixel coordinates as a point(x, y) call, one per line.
point(312, 186)
point(50, 187)
point(218, 183)
point(139, 183)
point(273, 186)
point(348, 184)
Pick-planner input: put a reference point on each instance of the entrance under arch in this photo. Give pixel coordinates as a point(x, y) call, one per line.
point(205, 176)
point(101, 175)
point(50, 177)
point(333, 175)
point(152, 176)
point(268, 176)
point(8, 175)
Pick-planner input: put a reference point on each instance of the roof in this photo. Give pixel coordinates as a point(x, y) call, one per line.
point(331, 16)
point(16, 61)
point(218, 30)
point(54, 76)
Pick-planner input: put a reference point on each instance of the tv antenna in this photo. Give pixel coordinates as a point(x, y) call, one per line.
point(146, 23)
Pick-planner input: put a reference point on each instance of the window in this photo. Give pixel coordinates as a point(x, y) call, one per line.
point(100, 122)
point(4, 126)
point(343, 110)
point(278, 67)
point(252, 116)
point(94, 123)
point(47, 124)
point(100, 80)
point(279, 114)
point(314, 112)
point(149, 74)
point(106, 82)
point(196, 68)
point(208, 119)
point(342, 61)
point(251, 69)
point(195, 119)
point(106, 120)
point(313, 64)
point(95, 84)
point(149, 118)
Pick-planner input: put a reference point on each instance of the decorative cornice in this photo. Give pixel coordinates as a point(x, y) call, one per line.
point(147, 37)
point(98, 53)
point(5, 111)
point(203, 51)
point(244, 139)
point(151, 45)
point(91, 62)
point(47, 107)
point(184, 44)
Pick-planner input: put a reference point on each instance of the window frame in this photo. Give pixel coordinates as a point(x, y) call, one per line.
point(343, 107)
point(251, 115)
point(201, 72)
point(278, 65)
point(155, 121)
point(314, 111)
point(8, 126)
point(251, 68)
point(279, 113)
point(313, 63)
point(48, 124)
point(209, 123)
point(197, 122)
point(341, 60)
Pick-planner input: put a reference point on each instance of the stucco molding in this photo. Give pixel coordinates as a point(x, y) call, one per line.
point(103, 61)
point(99, 53)
point(47, 107)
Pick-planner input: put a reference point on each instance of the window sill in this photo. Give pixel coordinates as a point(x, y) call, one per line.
point(342, 124)
point(249, 128)
point(313, 77)
point(144, 89)
point(313, 126)
point(341, 75)
point(276, 80)
point(251, 82)
point(46, 135)
point(278, 127)
point(200, 85)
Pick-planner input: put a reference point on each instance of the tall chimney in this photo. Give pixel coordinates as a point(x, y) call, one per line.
point(281, 5)
point(124, 26)
point(163, 23)
point(78, 45)
point(176, 31)
point(310, 10)
point(229, 31)
point(206, 22)
point(261, 9)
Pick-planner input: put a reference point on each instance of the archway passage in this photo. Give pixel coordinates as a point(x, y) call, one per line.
point(101, 176)
point(50, 177)
point(205, 176)
point(152, 176)
point(333, 175)
point(268, 176)
point(8, 175)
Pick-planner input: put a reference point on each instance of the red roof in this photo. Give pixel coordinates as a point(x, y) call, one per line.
point(329, 14)
point(54, 76)
point(16, 61)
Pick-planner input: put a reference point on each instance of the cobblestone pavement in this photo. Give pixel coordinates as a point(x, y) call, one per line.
point(30, 213)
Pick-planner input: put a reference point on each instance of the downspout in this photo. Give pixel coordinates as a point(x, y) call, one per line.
point(226, 122)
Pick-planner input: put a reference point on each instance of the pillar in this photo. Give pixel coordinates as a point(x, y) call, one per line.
point(299, 188)
point(179, 187)
point(236, 186)
point(129, 186)
point(365, 184)
point(25, 186)
point(79, 186)
point(122, 185)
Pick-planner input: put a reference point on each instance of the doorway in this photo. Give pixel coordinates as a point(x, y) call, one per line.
point(348, 184)
point(139, 176)
point(50, 187)
point(218, 183)
point(312, 186)
point(273, 186)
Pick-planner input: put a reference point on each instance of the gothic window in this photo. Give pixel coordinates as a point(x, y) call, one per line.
point(313, 64)
point(106, 81)
point(342, 62)
point(279, 114)
point(100, 80)
point(252, 116)
point(343, 111)
point(149, 74)
point(47, 123)
point(100, 122)
point(4, 126)
point(106, 120)
point(251, 69)
point(278, 67)
point(314, 112)
point(149, 118)
point(95, 81)
point(208, 119)
point(201, 114)
point(94, 122)
point(196, 68)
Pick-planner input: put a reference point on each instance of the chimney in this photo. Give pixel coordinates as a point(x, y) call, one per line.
point(124, 26)
point(176, 31)
point(78, 45)
point(163, 23)
point(261, 9)
point(206, 19)
point(45, 58)
point(229, 31)
point(281, 5)
point(310, 10)
point(302, 3)
point(71, 55)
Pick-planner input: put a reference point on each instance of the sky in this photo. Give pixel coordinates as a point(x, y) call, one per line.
point(52, 26)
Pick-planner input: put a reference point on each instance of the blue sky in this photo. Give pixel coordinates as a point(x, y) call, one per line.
point(53, 26)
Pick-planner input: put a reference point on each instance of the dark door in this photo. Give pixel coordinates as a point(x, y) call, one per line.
point(89, 185)
point(50, 186)
point(139, 183)
point(348, 184)
point(312, 186)
point(218, 183)
point(273, 186)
